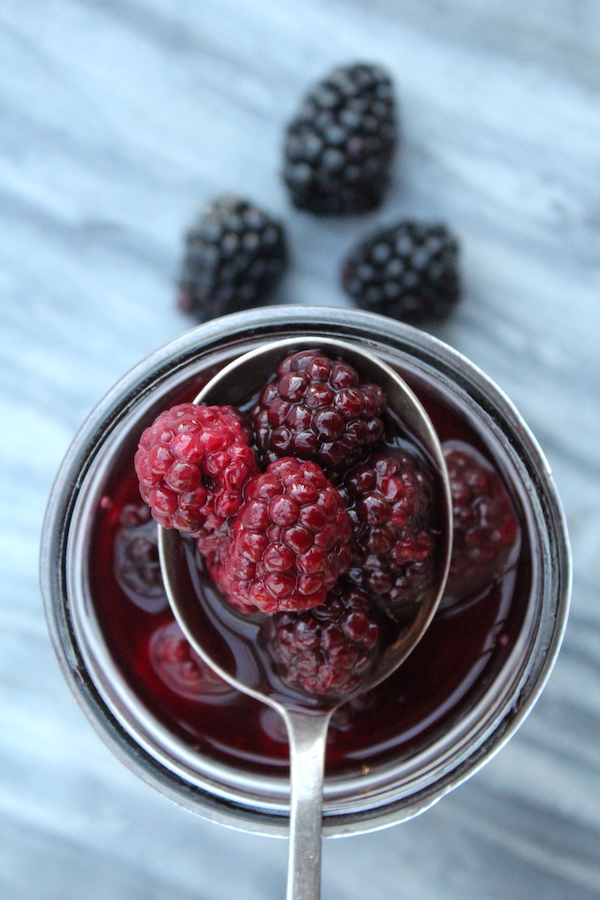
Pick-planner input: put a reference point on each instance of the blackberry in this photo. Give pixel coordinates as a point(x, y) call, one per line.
point(486, 529)
point(389, 500)
point(192, 465)
point(408, 272)
point(289, 541)
point(326, 651)
point(235, 256)
point(339, 147)
point(318, 408)
point(181, 669)
point(136, 562)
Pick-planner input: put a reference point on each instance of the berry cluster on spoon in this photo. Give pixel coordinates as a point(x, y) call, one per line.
point(310, 511)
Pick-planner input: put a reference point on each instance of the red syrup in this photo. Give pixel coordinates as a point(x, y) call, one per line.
point(455, 662)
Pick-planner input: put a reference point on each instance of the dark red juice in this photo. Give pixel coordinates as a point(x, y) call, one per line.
point(443, 678)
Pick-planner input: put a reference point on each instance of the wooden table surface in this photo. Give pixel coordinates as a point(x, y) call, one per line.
point(119, 119)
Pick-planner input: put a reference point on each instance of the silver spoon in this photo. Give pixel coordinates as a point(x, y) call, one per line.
point(236, 658)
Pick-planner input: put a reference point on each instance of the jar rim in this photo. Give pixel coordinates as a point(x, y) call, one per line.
point(136, 391)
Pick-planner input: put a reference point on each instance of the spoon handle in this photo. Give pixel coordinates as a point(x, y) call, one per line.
point(307, 737)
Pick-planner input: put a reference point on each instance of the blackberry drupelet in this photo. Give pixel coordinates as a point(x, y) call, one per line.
point(408, 271)
point(235, 256)
point(339, 148)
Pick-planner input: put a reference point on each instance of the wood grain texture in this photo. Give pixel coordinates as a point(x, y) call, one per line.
point(118, 120)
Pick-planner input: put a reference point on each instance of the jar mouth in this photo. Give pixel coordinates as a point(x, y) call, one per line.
point(391, 790)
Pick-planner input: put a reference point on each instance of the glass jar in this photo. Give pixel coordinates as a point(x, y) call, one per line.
point(377, 785)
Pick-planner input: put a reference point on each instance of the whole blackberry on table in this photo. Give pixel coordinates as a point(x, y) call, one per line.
point(235, 256)
point(408, 271)
point(339, 147)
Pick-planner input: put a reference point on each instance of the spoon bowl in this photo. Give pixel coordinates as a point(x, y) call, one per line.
point(228, 641)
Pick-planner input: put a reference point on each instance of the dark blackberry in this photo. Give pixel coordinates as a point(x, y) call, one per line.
point(339, 147)
point(181, 669)
point(137, 566)
point(389, 500)
point(408, 272)
point(318, 408)
point(235, 256)
point(486, 530)
point(326, 651)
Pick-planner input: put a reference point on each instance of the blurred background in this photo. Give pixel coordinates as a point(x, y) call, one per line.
point(119, 119)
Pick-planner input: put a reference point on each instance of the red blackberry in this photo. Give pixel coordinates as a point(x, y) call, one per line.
point(192, 464)
point(486, 530)
point(326, 651)
point(389, 501)
point(339, 147)
point(289, 542)
point(181, 669)
point(235, 256)
point(317, 408)
point(136, 562)
point(408, 272)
